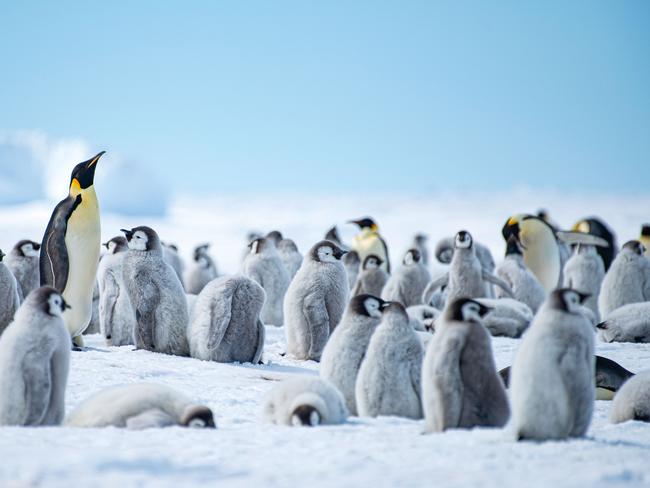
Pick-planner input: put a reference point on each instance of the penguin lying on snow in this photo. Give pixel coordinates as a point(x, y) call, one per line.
point(632, 402)
point(629, 323)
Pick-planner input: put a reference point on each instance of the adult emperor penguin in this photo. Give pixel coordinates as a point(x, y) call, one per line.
point(23, 263)
point(201, 271)
point(460, 384)
point(597, 227)
point(524, 285)
point(140, 406)
point(629, 323)
point(645, 239)
point(584, 272)
point(34, 362)
point(632, 401)
point(304, 401)
point(372, 278)
point(70, 248)
point(347, 345)
point(315, 301)
point(9, 297)
point(389, 378)
point(407, 283)
point(552, 378)
point(369, 241)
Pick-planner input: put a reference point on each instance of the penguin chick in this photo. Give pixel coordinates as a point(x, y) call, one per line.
point(389, 381)
point(291, 257)
point(156, 295)
point(315, 301)
point(347, 345)
point(524, 285)
point(351, 263)
point(552, 378)
point(423, 317)
point(275, 236)
point(9, 297)
point(23, 262)
point(408, 282)
point(460, 384)
point(34, 361)
point(172, 257)
point(627, 281)
point(304, 401)
point(466, 277)
point(632, 401)
point(506, 317)
point(629, 323)
point(201, 271)
point(444, 252)
point(584, 272)
point(332, 235)
point(369, 241)
point(597, 227)
point(140, 406)
point(264, 266)
point(420, 243)
point(226, 324)
point(116, 315)
point(372, 278)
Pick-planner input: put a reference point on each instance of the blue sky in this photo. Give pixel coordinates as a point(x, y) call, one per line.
point(247, 96)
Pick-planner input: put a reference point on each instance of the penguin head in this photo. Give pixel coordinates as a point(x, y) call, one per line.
point(258, 245)
point(26, 248)
point(116, 244)
point(326, 252)
point(466, 310)
point(645, 230)
point(275, 236)
point(634, 246)
point(200, 253)
point(463, 240)
point(421, 239)
point(83, 175)
point(367, 305)
point(50, 300)
point(142, 238)
point(411, 257)
point(372, 261)
point(305, 415)
point(567, 300)
point(2, 255)
point(198, 417)
point(512, 246)
point(365, 223)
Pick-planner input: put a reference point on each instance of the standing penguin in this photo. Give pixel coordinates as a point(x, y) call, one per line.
point(347, 345)
point(461, 387)
point(116, 315)
point(34, 361)
point(372, 278)
point(389, 378)
point(525, 287)
point(627, 281)
point(552, 378)
point(202, 270)
point(420, 243)
point(584, 272)
point(70, 248)
point(156, 295)
point(369, 241)
point(315, 301)
point(291, 257)
point(264, 266)
point(226, 324)
point(173, 258)
point(22, 261)
point(9, 297)
point(596, 227)
point(645, 239)
point(352, 264)
point(407, 283)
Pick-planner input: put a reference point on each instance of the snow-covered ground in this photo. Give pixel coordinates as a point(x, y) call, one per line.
point(363, 452)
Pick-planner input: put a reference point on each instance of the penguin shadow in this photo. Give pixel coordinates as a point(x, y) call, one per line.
point(618, 443)
point(89, 349)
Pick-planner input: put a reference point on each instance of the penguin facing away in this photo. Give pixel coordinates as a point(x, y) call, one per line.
point(23, 262)
point(201, 271)
point(9, 297)
point(70, 248)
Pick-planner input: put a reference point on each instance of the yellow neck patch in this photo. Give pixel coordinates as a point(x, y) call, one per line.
point(513, 221)
point(75, 187)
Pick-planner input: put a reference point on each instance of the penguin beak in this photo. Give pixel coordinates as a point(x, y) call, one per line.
point(105, 244)
point(127, 233)
point(93, 161)
point(583, 297)
point(385, 305)
point(36, 246)
point(338, 253)
point(485, 310)
point(64, 304)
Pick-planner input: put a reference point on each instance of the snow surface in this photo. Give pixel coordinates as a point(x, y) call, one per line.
point(363, 452)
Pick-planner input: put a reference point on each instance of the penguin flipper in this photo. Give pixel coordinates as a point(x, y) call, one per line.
point(38, 387)
point(220, 316)
point(317, 317)
point(495, 280)
point(261, 335)
point(433, 286)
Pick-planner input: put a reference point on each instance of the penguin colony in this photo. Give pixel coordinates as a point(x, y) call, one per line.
point(391, 341)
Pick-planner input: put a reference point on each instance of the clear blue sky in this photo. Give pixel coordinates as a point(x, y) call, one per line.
point(258, 95)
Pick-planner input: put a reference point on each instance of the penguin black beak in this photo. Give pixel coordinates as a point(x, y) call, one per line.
point(485, 310)
point(338, 253)
point(36, 246)
point(385, 305)
point(602, 326)
point(105, 244)
point(93, 161)
point(127, 233)
point(64, 304)
point(583, 297)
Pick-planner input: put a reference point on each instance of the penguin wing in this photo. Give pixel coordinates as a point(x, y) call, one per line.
point(220, 316)
point(570, 237)
point(38, 387)
point(53, 264)
point(495, 280)
point(576, 366)
point(318, 321)
point(261, 335)
point(433, 286)
point(145, 299)
point(150, 419)
point(448, 381)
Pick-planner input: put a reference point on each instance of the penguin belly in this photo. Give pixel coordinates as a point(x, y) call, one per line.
point(370, 244)
point(544, 262)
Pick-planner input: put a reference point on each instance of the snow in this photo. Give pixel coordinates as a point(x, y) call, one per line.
point(364, 452)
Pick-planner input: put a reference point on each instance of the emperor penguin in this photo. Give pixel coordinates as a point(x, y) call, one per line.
point(629, 323)
point(306, 401)
point(389, 378)
point(444, 253)
point(70, 248)
point(22, 261)
point(201, 271)
point(291, 257)
point(372, 278)
point(9, 297)
point(140, 406)
point(275, 236)
point(626, 281)
point(173, 258)
point(264, 266)
point(116, 315)
point(506, 317)
point(352, 264)
point(584, 272)
point(420, 243)
point(645, 239)
point(34, 361)
point(369, 241)
point(597, 227)
point(156, 295)
point(461, 387)
point(226, 325)
point(407, 283)
point(552, 378)
point(632, 401)
point(347, 345)
point(93, 325)
point(315, 301)
point(524, 285)
point(466, 276)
